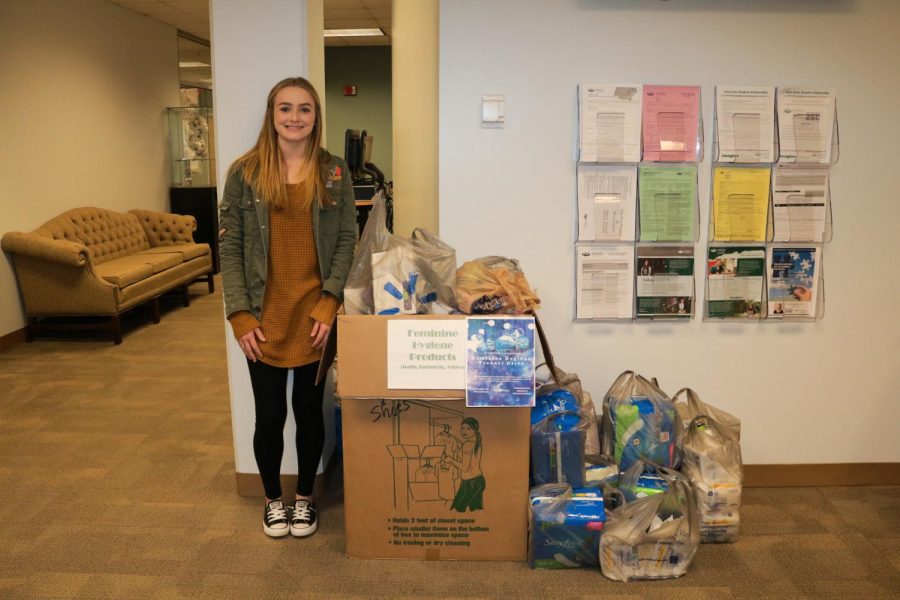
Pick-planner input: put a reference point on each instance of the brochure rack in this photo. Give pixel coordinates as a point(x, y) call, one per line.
point(734, 208)
point(769, 199)
point(666, 129)
point(621, 201)
point(735, 282)
point(664, 282)
point(604, 282)
point(795, 209)
point(800, 128)
point(795, 285)
point(663, 201)
point(798, 217)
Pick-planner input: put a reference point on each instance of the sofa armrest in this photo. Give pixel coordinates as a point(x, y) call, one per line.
point(166, 229)
point(63, 252)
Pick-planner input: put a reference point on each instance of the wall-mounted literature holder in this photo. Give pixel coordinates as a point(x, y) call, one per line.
point(744, 130)
point(672, 124)
point(609, 149)
point(668, 203)
point(735, 282)
point(807, 127)
point(609, 123)
point(739, 203)
point(607, 196)
point(801, 205)
point(604, 282)
point(795, 284)
point(664, 282)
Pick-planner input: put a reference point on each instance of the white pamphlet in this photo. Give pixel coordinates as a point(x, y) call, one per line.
point(605, 281)
point(606, 202)
point(805, 125)
point(799, 203)
point(745, 121)
point(609, 125)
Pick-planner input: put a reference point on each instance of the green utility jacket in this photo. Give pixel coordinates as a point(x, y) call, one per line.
point(244, 237)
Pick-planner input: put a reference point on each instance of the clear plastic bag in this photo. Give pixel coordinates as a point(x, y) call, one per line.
point(711, 461)
point(557, 448)
point(375, 238)
point(654, 537)
point(394, 275)
point(641, 480)
point(639, 422)
point(566, 525)
point(561, 383)
point(494, 284)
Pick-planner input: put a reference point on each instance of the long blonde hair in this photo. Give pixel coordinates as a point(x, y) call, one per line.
point(261, 164)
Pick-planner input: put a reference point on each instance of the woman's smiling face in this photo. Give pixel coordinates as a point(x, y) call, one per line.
point(294, 115)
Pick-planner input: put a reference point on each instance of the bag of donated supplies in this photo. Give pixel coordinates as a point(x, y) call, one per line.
point(493, 284)
point(393, 275)
point(557, 446)
point(563, 384)
point(641, 480)
point(566, 525)
point(639, 422)
point(711, 460)
point(653, 537)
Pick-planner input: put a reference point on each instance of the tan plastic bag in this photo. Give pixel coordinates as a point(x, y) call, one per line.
point(712, 463)
point(654, 537)
point(494, 284)
point(572, 383)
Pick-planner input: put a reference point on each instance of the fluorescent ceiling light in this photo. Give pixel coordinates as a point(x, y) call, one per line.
point(353, 32)
point(192, 63)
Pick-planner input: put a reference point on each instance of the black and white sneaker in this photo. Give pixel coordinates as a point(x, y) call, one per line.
point(303, 520)
point(275, 519)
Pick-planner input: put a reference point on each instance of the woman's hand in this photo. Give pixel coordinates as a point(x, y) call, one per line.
point(249, 343)
point(319, 335)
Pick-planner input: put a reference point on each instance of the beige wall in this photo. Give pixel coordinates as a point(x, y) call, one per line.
point(84, 87)
point(415, 115)
point(823, 392)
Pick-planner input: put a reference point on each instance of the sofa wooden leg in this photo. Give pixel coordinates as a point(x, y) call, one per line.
point(210, 282)
point(185, 297)
point(116, 327)
point(154, 310)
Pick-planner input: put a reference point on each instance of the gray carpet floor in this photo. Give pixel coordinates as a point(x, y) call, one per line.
point(117, 481)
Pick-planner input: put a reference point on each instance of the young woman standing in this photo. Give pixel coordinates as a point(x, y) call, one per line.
point(287, 237)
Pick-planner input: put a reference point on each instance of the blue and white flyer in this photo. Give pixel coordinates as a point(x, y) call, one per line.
point(793, 278)
point(500, 361)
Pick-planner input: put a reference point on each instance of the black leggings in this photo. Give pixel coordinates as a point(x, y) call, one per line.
point(270, 396)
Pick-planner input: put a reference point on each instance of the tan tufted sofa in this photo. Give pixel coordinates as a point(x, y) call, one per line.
point(93, 262)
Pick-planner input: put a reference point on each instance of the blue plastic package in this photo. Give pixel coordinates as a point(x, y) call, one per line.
point(557, 456)
point(557, 401)
point(643, 429)
point(565, 531)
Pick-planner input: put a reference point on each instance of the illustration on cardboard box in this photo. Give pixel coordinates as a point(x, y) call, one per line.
point(435, 479)
point(446, 467)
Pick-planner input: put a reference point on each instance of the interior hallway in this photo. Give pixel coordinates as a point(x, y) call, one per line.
point(117, 481)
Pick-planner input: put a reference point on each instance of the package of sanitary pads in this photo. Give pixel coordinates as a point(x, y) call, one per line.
point(566, 525)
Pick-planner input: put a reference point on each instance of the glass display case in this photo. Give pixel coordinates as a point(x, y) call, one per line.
point(191, 143)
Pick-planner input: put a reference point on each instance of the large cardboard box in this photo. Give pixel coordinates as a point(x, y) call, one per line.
point(425, 477)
